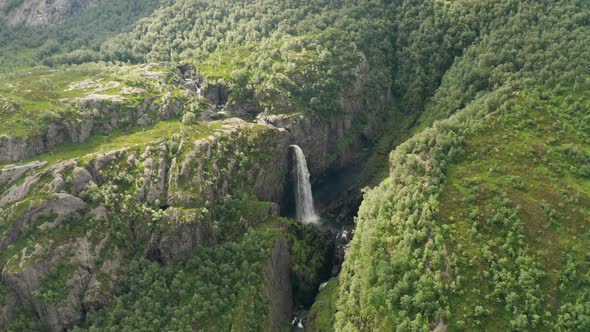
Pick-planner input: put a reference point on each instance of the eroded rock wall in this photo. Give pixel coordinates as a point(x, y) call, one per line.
point(96, 115)
point(41, 12)
point(54, 205)
point(334, 142)
point(278, 285)
point(175, 182)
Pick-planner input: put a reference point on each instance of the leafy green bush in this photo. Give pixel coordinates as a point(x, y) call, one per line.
point(189, 118)
point(311, 260)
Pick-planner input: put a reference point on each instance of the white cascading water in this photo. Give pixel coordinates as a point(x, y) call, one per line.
point(303, 196)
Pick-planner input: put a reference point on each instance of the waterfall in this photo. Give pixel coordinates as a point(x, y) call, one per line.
point(303, 196)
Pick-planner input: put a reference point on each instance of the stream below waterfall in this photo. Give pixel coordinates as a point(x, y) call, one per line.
point(340, 235)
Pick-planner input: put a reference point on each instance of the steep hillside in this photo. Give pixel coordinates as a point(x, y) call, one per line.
point(518, 206)
point(146, 168)
point(33, 12)
point(115, 164)
point(483, 221)
point(33, 30)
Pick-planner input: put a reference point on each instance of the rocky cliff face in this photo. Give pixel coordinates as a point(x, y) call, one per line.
point(46, 202)
point(163, 95)
point(278, 285)
point(58, 207)
point(334, 142)
point(41, 12)
point(97, 114)
point(81, 220)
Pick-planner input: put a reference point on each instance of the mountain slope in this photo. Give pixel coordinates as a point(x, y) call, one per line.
point(151, 162)
point(15, 12)
point(482, 223)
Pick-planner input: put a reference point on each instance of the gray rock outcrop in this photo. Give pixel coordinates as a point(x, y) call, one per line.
point(238, 156)
point(278, 285)
point(105, 117)
point(35, 12)
point(172, 181)
point(11, 173)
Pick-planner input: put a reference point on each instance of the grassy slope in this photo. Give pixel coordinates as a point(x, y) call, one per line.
point(321, 314)
point(101, 143)
point(514, 163)
point(506, 191)
point(31, 99)
point(31, 92)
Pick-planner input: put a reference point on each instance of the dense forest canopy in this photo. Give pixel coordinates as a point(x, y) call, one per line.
point(409, 266)
point(480, 224)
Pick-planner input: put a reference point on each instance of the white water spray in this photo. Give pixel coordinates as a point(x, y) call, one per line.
point(303, 196)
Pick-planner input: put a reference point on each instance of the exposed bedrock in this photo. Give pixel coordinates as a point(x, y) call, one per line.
point(37, 200)
point(98, 115)
point(34, 12)
point(278, 285)
point(183, 178)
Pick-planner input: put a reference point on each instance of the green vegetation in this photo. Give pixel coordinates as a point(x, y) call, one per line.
point(235, 215)
point(70, 42)
point(298, 74)
point(516, 210)
point(480, 222)
point(218, 287)
point(133, 138)
point(483, 215)
point(281, 57)
point(311, 261)
point(23, 321)
point(321, 314)
point(32, 101)
point(397, 253)
point(121, 233)
point(54, 287)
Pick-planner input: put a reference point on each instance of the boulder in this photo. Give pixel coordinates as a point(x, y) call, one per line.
point(81, 178)
point(19, 192)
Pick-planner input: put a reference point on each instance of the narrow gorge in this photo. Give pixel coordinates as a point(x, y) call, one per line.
point(319, 166)
point(178, 190)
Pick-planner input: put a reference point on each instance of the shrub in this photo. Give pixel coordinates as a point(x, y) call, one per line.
point(189, 118)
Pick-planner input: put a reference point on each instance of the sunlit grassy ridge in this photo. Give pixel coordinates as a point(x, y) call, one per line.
point(137, 136)
point(25, 97)
point(32, 99)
